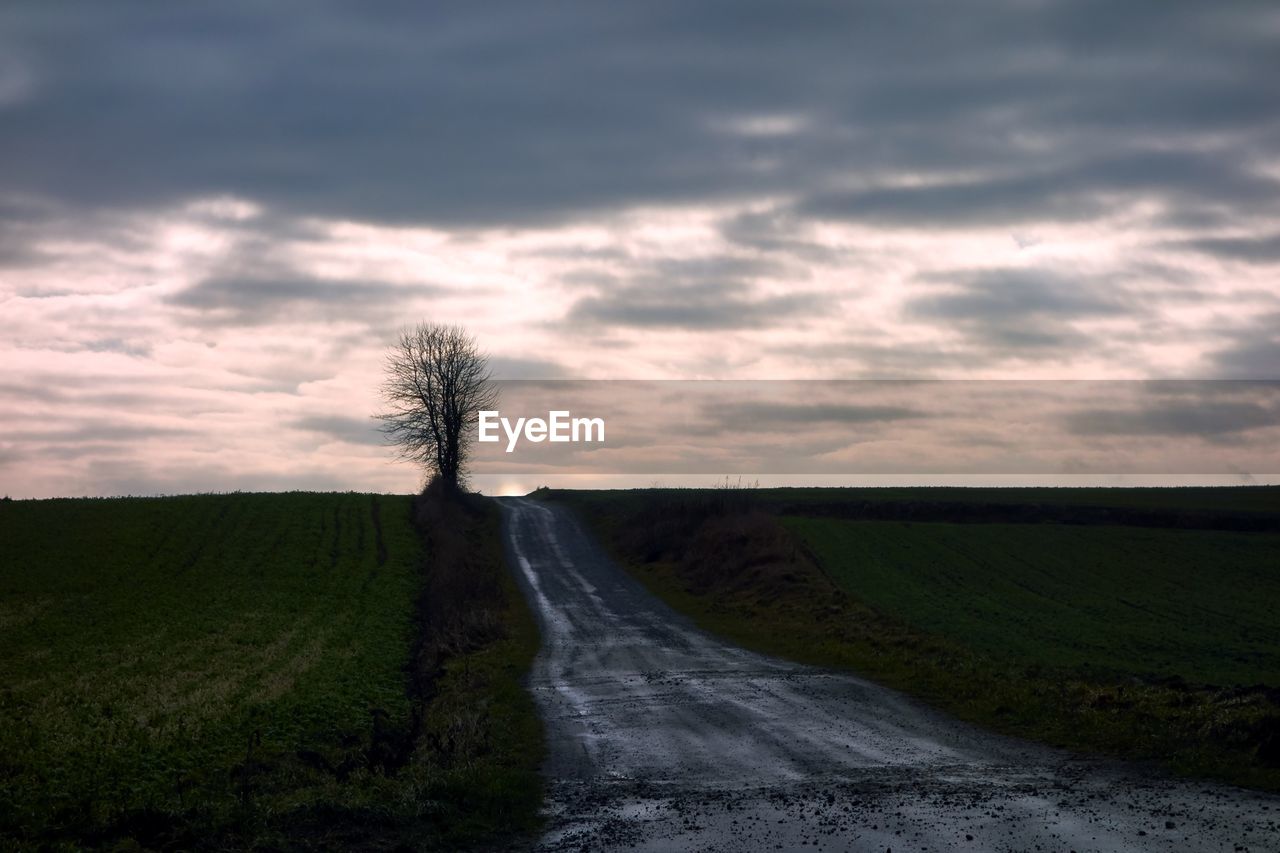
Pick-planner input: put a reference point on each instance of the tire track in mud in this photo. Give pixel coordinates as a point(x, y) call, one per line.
point(661, 737)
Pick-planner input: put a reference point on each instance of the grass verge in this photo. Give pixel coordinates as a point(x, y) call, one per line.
point(480, 744)
point(740, 572)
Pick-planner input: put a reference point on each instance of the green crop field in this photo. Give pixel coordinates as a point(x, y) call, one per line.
point(1196, 604)
point(159, 652)
point(225, 670)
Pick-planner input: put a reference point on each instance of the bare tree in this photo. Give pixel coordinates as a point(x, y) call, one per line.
point(437, 383)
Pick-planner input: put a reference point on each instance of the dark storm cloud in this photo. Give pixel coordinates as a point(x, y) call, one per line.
point(773, 415)
point(98, 433)
point(777, 231)
point(715, 292)
point(16, 252)
point(717, 268)
point(1020, 309)
point(22, 223)
point(692, 306)
point(508, 367)
point(1254, 250)
point(88, 390)
point(1185, 419)
point(116, 345)
point(342, 428)
point(256, 300)
point(464, 113)
point(1254, 353)
point(1073, 192)
point(1251, 359)
point(857, 359)
point(823, 413)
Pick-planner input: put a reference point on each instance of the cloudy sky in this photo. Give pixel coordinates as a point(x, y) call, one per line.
point(214, 217)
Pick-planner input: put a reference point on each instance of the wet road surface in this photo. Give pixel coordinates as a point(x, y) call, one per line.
point(661, 737)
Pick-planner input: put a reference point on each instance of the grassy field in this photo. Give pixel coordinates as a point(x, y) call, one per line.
point(1143, 642)
point(1118, 600)
point(238, 671)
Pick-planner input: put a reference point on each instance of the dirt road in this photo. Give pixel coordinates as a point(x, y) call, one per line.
point(664, 738)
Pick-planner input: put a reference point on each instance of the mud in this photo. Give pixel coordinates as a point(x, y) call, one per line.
point(662, 737)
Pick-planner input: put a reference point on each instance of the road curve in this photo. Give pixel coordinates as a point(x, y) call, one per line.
point(661, 737)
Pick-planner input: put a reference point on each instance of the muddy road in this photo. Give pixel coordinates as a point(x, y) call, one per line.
point(664, 738)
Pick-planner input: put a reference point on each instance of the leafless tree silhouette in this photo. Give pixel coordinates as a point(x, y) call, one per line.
point(437, 383)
